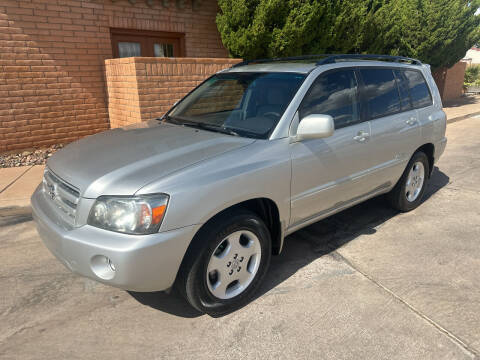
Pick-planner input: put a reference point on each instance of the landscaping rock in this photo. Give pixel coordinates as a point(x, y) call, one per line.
point(28, 158)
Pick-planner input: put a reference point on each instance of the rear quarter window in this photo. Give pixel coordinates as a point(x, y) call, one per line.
point(419, 92)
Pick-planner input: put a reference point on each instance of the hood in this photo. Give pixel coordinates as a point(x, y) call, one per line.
point(121, 161)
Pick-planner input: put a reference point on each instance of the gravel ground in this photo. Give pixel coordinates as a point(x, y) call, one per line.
point(27, 158)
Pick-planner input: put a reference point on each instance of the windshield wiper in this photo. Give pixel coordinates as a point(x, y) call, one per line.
point(210, 127)
point(169, 119)
point(199, 125)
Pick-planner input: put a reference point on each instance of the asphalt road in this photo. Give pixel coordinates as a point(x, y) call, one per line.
point(368, 283)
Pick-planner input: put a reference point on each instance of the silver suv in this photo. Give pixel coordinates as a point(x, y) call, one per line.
point(202, 197)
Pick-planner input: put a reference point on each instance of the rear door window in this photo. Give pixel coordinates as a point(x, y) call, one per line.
point(418, 87)
point(334, 94)
point(380, 92)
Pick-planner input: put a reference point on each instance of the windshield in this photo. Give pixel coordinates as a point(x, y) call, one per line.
point(242, 104)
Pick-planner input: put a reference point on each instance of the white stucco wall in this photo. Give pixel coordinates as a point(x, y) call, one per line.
point(473, 56)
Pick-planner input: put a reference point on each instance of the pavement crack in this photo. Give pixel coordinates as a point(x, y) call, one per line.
point(14, 180)
point(454, 338)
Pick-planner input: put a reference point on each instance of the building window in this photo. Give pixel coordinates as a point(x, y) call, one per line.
point(128, 43)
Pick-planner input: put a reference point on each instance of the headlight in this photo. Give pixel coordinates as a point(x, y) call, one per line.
point(131, 215)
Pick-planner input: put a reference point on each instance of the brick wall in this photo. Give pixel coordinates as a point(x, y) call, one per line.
point(123, 98)
point(450, 81)
point(141, 89)
point(52, 53)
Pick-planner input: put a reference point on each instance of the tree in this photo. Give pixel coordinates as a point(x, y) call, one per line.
point(438, 32)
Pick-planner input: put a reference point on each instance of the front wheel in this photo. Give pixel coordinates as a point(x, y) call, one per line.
point(408, 192)
point(226, 263)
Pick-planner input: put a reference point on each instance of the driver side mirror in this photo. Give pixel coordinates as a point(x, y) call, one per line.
point(315, 126)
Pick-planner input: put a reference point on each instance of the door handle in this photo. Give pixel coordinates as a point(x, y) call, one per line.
point(361, 136)
point(411, 121)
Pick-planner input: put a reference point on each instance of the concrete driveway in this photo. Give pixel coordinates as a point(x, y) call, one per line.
point(368, 283)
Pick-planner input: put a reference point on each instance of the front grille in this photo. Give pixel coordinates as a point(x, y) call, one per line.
point(64, 196)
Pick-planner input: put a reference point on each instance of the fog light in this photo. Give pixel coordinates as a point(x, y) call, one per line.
point(103, 267)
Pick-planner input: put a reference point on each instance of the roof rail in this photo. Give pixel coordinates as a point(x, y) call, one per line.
point(290, 58)
point(333, 58)
point(399, 59)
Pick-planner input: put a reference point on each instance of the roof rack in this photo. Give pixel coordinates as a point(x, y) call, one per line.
point(399, 59)
point(290, 58)
point(333, 58)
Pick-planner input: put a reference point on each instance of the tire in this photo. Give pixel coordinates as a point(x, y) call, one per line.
point(233, 245)
point(405, 196)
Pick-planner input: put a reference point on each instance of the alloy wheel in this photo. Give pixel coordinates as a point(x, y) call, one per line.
point(233, 264)
point(415, 180)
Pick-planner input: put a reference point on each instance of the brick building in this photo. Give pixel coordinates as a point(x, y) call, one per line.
point(52, 60)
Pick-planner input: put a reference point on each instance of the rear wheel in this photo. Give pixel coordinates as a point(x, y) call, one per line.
point(226, 264)
point(408, 192)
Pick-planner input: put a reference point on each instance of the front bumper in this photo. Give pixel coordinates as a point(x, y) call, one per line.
point(140, 262)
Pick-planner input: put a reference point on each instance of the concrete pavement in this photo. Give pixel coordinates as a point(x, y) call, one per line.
point(368, 283)
point(462, 108)
point(17, 185)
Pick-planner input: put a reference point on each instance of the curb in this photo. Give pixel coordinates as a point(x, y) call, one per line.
point(462, 117)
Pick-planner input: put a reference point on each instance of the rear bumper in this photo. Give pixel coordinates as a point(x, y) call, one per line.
point(440, 148)
point(138, 262)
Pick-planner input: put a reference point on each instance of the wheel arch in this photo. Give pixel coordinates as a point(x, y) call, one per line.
point(265, 208)
point(268, 211)
point(429, 150)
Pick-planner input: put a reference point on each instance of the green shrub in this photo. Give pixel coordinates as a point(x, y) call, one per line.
point(472, 75)
point(438, 32)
